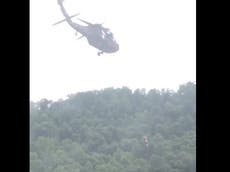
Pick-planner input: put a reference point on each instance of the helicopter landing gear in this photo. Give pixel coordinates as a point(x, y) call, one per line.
point(99, 53)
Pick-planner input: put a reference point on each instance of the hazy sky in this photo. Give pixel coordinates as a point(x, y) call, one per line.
point(157, 40)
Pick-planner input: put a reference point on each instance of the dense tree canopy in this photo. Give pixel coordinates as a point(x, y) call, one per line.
point(102, 131)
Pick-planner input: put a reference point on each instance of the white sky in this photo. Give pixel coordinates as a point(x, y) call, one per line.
point(157, 40)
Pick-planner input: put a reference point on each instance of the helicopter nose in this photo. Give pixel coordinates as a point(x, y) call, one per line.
point(116, 47)
point(112, 48)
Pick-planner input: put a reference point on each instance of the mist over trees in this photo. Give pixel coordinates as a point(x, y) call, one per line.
point(102, 131)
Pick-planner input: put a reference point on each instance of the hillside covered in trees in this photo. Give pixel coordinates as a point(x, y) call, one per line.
point(102, 131)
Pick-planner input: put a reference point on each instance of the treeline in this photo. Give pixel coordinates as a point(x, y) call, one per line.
point(102, 131)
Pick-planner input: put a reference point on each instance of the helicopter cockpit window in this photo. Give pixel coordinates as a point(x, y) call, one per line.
point(103, 34)
point(108, 32)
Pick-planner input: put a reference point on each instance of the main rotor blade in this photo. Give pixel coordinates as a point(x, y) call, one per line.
point(65, 19)
point(85, 21)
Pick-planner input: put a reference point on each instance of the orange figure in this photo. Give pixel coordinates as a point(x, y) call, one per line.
point(146, 141)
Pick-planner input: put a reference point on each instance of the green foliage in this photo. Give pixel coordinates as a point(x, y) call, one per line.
point(102, 131)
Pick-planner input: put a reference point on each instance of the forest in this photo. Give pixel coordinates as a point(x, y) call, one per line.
point(103, 131)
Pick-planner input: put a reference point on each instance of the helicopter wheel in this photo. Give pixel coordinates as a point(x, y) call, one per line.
point(99, 53)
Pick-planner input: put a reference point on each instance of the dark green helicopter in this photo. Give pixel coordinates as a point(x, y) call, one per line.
point(97, 36)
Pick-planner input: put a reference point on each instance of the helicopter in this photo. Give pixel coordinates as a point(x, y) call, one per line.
point(97, 36)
